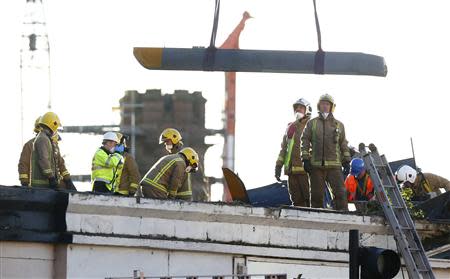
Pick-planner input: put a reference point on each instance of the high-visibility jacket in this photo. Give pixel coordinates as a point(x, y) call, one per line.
point(167, 175)
point(290, 148)
point(44, 160)
point(25, 161)
point(185, 191)
point(128, 176)
point(359, 189)
point(324, 143)
point(105, 166)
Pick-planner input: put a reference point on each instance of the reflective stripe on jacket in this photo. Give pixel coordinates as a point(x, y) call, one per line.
point(43, 160)
point(128, 177)
point(25, 161)
point(185, 191)
point(324, 143)
point(359, 189)
point(290, 148)
point(166, 175)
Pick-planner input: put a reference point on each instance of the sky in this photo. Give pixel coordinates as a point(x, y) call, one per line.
point(92, 64)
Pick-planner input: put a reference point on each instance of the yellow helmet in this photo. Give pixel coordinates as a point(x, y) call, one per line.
point(170, 134)
point(50, 120)
point(122, 138)
point(191, 156)
point(328, 98)
point(37, 128)
point(119, 135)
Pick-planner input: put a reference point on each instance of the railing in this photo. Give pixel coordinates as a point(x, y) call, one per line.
point(140, 275)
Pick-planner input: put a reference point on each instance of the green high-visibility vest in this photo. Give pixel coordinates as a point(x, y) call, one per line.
point(105, 168)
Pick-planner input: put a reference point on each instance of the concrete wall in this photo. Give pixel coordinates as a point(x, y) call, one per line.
point(36, 260)
point(26, 260)
point(112, 236)
point(288, 233)
point(89, 261)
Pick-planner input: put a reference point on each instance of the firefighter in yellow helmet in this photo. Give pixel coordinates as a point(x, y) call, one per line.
point(172, 141)
point(165, 177)
point(289, 157)
point(25, 157)
point(105, 164)
point(324, 152)
point(171, 138)
point(44, 161)
point(128, 176)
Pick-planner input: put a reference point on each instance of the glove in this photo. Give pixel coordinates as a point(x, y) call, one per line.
point(278, 173)
point(119, 148)
point(52, 182)
point(69, 184)
point(24, 183)
point(346, 168)
point(307, 166)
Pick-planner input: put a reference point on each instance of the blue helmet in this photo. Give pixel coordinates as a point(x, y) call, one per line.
point(356, 166)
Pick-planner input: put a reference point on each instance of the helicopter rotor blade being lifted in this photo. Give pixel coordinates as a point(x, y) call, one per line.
point(268, 61)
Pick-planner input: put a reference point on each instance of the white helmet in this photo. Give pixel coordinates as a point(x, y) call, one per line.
point(111, 136)
point(406, 173)
point(305, 103)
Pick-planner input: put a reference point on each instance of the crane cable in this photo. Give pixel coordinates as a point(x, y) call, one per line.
point(319, 58)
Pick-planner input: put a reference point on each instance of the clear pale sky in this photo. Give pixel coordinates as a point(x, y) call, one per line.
point(92, 65)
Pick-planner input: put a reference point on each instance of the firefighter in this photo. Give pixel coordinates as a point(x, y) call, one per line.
point(289, 157)
point(105, 164)
point(324, 151)
point(172, 140)
point(44, 158)
point(128, 176)
point(25, 157)
point(66, 182)
point(165, 177)
point(358, 184)
point(423, 185)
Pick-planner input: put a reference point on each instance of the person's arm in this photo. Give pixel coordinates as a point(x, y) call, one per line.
point(113, 160)
point(343, 144)
point(436, 182)
point(62, 167)
point(281, 158)
point(282, 153)
point(24, 163)
point(176, 179)
point(306, 141)
point(42, 146)
point(134, 175)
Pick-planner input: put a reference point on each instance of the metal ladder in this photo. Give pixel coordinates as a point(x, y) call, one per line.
point(397, 214)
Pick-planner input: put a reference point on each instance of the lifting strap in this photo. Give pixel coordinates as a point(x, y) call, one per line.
point(208, 61)
point(212, 42)
point(319, 59)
